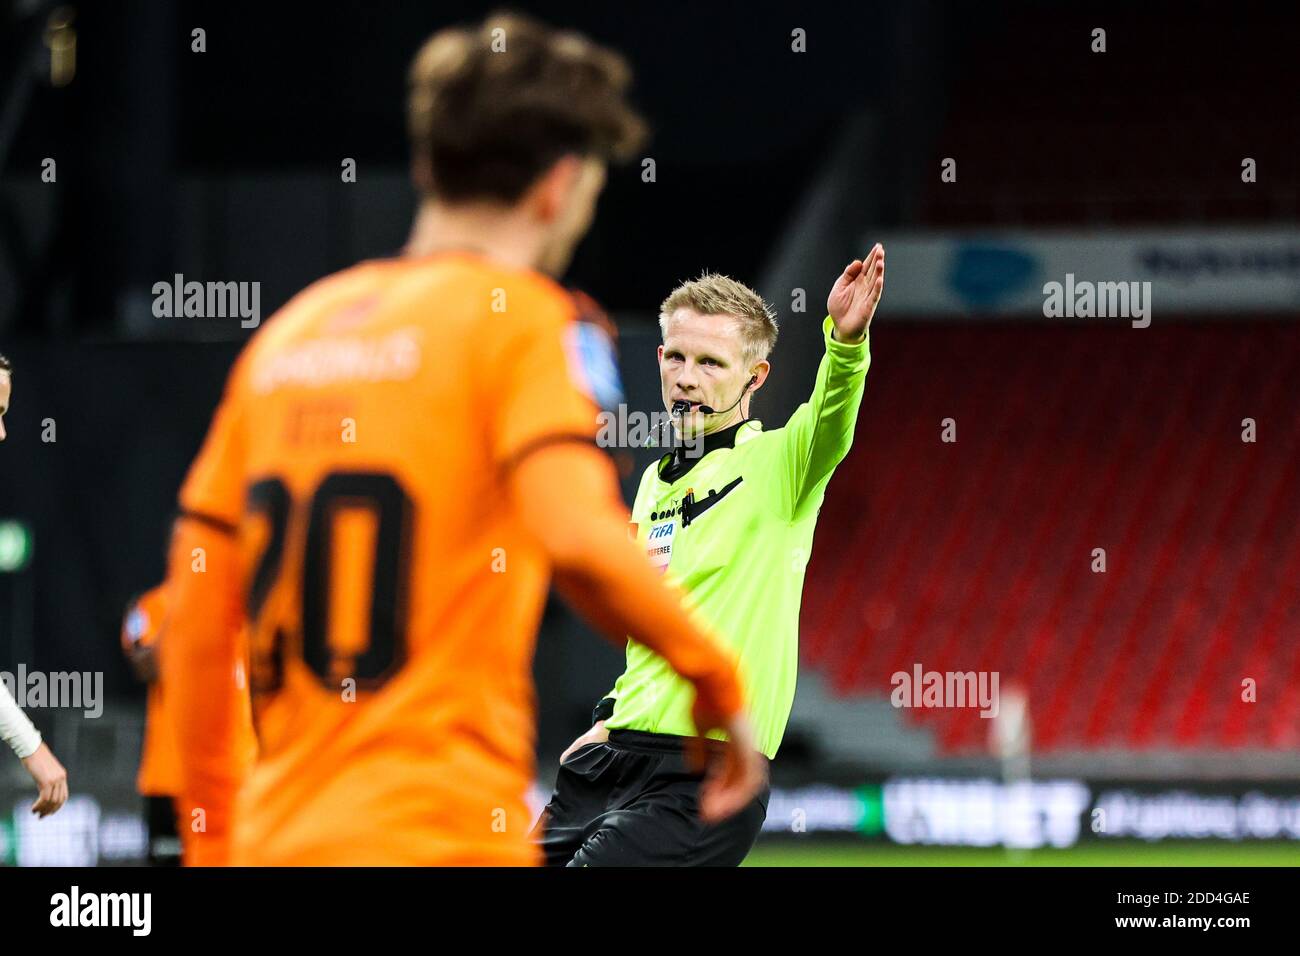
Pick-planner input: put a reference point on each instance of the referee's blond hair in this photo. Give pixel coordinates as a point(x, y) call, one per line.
point(715, 294)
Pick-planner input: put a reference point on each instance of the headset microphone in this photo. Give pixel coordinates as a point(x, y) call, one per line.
point(705, 409)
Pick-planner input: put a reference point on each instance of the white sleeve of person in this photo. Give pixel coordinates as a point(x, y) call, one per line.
point(15, 729)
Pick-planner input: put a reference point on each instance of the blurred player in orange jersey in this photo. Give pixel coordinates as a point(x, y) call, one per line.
point(403, 458)
point(159, 777)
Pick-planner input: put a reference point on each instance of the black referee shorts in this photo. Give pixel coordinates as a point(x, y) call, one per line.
point(632, 801)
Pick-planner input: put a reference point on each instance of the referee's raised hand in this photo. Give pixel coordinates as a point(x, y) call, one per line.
point(856, 294)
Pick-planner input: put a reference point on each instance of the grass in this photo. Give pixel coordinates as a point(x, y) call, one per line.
point(820, 853)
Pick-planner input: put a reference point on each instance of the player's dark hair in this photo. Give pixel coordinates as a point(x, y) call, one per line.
point(492, 107)
point(6, 365)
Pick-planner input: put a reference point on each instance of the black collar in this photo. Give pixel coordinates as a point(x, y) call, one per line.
point(683, 458)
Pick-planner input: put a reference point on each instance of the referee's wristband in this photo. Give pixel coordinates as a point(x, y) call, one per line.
point(603, 711)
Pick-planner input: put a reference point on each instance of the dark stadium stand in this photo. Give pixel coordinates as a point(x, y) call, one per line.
point(1152, 126)
point(977, 554)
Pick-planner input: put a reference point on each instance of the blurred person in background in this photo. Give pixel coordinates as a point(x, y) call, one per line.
point(16, 729)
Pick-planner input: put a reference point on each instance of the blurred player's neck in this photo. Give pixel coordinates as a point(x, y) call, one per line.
point(505, 235)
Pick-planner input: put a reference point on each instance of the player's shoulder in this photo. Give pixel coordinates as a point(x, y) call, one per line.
point(464, 291)
point(529, 281)
point(525, 295)
point(305, 316)
point(472, 293)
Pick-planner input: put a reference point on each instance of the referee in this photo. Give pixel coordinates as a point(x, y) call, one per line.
point(728, 516)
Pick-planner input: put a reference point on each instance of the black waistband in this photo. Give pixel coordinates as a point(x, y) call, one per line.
point(657, 743)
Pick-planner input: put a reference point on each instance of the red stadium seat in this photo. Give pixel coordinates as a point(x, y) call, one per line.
point(977, 554)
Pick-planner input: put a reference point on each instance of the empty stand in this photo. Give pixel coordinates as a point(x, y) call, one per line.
point(978, 554)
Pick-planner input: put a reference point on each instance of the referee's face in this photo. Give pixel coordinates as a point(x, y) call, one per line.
point(701, 362)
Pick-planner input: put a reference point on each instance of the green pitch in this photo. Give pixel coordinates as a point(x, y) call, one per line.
point(818, 853)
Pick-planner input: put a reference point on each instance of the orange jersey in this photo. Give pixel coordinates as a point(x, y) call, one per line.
point(360, 458)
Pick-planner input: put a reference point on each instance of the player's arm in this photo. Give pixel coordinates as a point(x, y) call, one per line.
point(820, 432)
point(201, 651)
point(604, 708)
point(567, 495)
point(24, 739)
point(198, 667)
